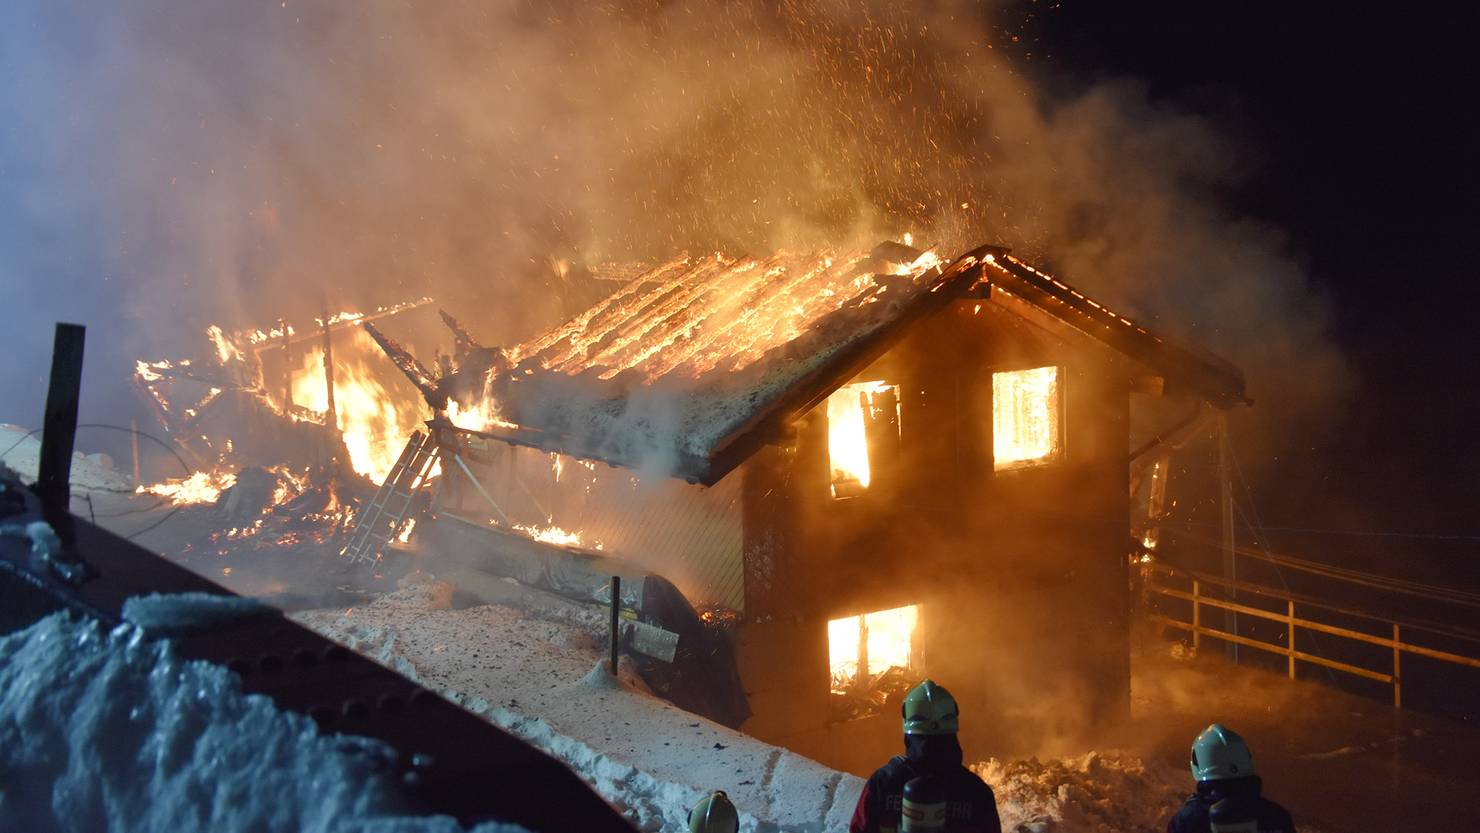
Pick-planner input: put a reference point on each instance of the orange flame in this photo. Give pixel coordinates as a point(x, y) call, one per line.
point(847, 434)
point(374, 422)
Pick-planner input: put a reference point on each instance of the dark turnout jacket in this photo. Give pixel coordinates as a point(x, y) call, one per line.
point(1194, 815)
point(970, 805)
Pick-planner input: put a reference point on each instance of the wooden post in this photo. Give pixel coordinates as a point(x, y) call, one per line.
point(1225, 500)
point(1397, 668)
point(59, 430)
point(287, 367)
point(1196, 616)
point(1290, 620)
point(330, 417)
point(133, 434)
point(616, 615)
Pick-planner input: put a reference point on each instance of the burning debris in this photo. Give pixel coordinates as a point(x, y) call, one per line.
point(289, 432)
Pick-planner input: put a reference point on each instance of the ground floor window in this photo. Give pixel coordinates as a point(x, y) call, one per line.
point(870, 658)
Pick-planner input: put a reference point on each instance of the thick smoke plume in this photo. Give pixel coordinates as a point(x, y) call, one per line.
point(170, 165)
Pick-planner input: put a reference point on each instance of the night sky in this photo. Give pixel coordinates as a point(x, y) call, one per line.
point(1359, 121)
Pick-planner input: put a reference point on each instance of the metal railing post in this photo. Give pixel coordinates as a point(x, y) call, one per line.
point(1397, 669)
point(1196, 617)
point(1290, 614)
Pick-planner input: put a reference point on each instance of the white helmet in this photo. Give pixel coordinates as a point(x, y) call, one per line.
point(1219, 753)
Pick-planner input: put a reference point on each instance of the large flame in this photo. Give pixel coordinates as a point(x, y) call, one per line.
point(1025, 416)
point(859, 648)
point(848, 411)
point(374, 421)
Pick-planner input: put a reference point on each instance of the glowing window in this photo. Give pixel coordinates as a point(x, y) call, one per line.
point(1025, 417)
point(854, 414)
point(862, 650)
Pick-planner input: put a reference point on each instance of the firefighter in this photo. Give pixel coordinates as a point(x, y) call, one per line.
point(932, 760)
point(1228, 796)
point(714, 814)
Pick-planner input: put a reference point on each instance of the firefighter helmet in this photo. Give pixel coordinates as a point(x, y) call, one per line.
point(714, 814)
point(1219, 754)
point(930, 710)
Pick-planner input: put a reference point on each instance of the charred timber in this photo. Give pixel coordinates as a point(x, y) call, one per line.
point(460, 335)
point(412, 368)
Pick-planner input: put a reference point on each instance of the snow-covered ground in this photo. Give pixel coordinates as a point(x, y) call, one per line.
point(109, 731)
point(90, 473)
point(543, 680)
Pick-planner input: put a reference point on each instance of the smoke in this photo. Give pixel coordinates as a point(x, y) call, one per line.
point(172, 166)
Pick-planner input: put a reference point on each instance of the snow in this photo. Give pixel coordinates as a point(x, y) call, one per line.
point(183, 612)
point(545, 681)
point(1092, 793)
point(540, 679)
point(90, 472)
point(109, 731)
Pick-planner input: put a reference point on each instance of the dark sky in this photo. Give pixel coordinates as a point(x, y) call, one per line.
point(1360, 119)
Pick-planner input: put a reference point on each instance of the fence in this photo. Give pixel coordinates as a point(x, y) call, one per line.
point(1200, 600)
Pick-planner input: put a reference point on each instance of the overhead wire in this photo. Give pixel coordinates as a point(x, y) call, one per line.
point(128, 430)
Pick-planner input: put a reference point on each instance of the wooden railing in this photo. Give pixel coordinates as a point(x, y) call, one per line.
point(1200, 600)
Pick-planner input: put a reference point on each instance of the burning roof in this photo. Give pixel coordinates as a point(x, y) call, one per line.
point(683, 368)
point(693, 364)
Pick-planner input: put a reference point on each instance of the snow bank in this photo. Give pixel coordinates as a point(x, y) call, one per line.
point(1110, 792)
point(543, 680)
point(113, 732)
point(90, 472)
point(535, 678)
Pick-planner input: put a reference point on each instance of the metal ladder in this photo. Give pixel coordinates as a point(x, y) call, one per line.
point(383, 519)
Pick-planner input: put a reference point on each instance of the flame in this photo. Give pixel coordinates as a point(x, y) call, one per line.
point(553, 535)
point(405, 535)
point(691, 316)
point(374, 422)
point(848, 410)
point(886, 638)
point(226, 351)
point(479, 416)
point(201, 487)
point(1025, 416)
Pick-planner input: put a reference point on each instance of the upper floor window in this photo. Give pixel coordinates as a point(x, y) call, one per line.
point(857, 416)
point(1027, 423)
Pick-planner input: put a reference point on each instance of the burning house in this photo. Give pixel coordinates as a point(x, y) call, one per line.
point(859, 468)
